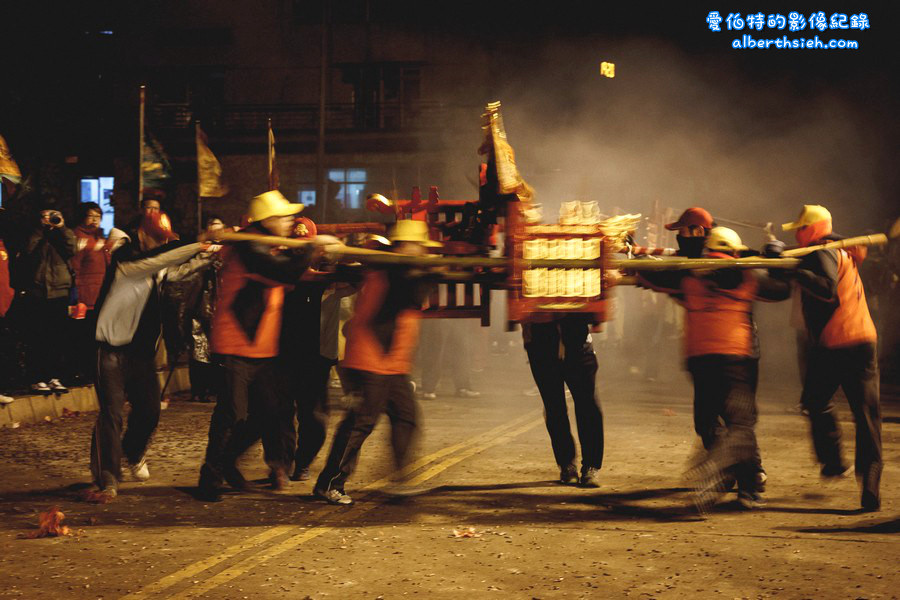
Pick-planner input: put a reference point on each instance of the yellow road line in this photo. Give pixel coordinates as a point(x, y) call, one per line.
point(292, 542)
point(202, 565)
point(446, 464)
point(263, 537)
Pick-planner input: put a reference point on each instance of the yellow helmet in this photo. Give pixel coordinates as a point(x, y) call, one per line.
point(723, 239)
point(271, 204)
point(408, 230)
point(811, 213)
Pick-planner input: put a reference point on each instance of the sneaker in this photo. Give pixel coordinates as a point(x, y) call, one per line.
point(429, 395)
point(761, 479)
point(109, 485)
point(41, 388)
point(300, 475)
point(57, 387)
point(6, 399)
point(139, 470)
point(750, 500)
point(334, 496)
point(589, 477)
point(834, 471)
point(466, 393)
point(568, 475)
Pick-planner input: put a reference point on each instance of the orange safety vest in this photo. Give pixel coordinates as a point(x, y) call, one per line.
point(363, 351)
point(850, 324)
point(227, 335)
point(719, 321)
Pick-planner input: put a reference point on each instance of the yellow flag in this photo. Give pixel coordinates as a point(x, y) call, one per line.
point(209, 171)
point(8, 167)
point(273, 169)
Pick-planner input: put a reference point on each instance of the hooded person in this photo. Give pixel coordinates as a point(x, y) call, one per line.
point(841, 352)
point(692, 228)
point(128, 331)
point(381, 341)
point(246, 330)
point(722, 355)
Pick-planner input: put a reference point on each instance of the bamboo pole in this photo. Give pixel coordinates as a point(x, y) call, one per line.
point(378, 257)
point(862, 240)
point(141, 146)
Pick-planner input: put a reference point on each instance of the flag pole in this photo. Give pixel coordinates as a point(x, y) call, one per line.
point(269, 138)
point(199, 197)
point(141, 148)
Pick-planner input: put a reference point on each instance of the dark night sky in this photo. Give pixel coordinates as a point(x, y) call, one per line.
point(52, 101)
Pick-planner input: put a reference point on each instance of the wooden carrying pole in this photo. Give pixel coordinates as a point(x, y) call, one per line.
point(379, 257)
point(862, 240)
point(141, 146)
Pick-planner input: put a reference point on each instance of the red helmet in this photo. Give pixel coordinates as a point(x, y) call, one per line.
point(693, 216)
point(303, 228)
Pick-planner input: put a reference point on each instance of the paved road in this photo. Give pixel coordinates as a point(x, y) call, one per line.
point(484, 464)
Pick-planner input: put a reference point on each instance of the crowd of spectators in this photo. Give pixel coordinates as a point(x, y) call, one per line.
point(51, 274)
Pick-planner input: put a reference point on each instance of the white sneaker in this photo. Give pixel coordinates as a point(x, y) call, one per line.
point(429, 395)
point(41, 388)
point(464, 393)
point(57, 387)
point(6, 399)
point(140, 471)
point(333, 496)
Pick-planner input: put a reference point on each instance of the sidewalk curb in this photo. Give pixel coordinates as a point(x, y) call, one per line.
point(28, 410)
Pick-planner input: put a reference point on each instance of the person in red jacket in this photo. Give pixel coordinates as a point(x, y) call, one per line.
point(841, 353)
point(381, 341)
point(722, 352)
point(89, 264)
point(6, 298)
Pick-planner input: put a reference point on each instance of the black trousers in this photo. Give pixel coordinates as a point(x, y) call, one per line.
point(855, 369)
point(47, 338)
point(380, 393)
point(206, 378)
point(123, 373)
point(309, 388)
point(725, 413)
point(251, 405)
point(577, 368)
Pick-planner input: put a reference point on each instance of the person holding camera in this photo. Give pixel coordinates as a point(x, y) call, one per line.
point(46, 284)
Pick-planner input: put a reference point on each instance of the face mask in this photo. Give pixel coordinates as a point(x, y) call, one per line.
point(690, 247)
point(812, 233)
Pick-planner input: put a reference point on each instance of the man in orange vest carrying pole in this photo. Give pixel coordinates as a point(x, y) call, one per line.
point(722, 354)
point(842, 353)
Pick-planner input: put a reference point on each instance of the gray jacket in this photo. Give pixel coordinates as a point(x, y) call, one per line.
point(131, 286)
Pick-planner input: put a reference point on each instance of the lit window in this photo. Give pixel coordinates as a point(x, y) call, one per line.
point(352, 186)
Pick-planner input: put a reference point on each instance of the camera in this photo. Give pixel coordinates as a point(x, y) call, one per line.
point(53, 218)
